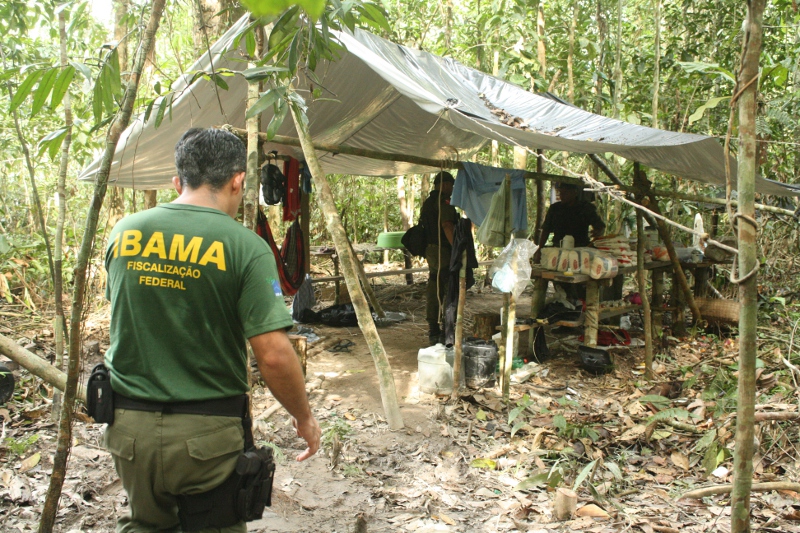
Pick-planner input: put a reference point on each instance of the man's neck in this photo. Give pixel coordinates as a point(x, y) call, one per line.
point(201, 197)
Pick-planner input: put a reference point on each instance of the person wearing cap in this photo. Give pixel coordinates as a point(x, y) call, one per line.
point(438, 218)
point(571, 216)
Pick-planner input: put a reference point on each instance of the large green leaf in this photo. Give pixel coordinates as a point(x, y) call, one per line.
point(261, 8)
point(262, 104)
point(43, 90)
point(61, 85)
point(584, 474)
point(25, 89)
point(711, 104)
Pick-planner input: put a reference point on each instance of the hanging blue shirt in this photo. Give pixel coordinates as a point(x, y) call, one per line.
point(476, 184)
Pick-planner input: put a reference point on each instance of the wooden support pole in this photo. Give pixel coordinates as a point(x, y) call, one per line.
point(541, 198)
point(484, 325)
point(642, 279)
point(305, 226)
point(459, 340)
point(510, 307)
point(657, 276)
point(327, 203)
point(362, 277)
point(592, 312)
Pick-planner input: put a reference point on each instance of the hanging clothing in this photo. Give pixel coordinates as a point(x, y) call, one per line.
point(476, 184)
point(290, 259)
point(291, 199)
point(462, 241)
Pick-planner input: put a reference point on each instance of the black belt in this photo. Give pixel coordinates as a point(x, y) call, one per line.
point(234, 406)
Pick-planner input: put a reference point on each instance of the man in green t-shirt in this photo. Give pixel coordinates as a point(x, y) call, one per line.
point(438, 217)
point(188, 285)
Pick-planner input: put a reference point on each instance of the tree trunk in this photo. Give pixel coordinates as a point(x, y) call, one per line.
point(251, 189)
point(348, 263)
point(37, 204)
point(212, 18)
point(573, 25)
point(116, 206)
point(150, 198)
point(59, 326)
point(459, 340)
point(641, 277)
point(601, 58)
point(121, 121)
point(541, 198)
point(618, 63)
point(121, 32)
point(748, 263)
point(657, 67)
point(541, 45)
point(406, 217)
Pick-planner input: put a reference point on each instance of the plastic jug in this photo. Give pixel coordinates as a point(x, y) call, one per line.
point(435, 371)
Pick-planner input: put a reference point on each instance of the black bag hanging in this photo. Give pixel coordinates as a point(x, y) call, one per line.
point(273, 184)
point(415, 240)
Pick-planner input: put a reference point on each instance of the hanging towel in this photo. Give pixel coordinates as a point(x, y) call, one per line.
point(476, 184)
point(291, 199)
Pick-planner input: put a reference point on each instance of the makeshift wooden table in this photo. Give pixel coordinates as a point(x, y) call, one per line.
point(594, 311)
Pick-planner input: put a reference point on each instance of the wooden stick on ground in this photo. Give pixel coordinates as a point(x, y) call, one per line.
point(726, 489)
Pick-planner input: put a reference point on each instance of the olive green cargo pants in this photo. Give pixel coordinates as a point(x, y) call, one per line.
point(438, 276)
point(159, 456)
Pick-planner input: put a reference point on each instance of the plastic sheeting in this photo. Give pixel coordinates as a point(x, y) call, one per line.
point(385, 97)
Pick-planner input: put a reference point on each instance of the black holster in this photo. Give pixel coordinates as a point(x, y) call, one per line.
point(99, 396)
point(241, 497)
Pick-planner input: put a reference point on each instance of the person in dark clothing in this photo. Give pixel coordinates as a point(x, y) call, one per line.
point(571, 216)
point(438, 218)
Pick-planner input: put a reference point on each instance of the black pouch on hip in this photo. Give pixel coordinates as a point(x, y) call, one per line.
point(241, 497)
point(99, 396)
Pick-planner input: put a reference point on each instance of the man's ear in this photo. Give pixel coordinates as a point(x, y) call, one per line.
point(176, 183)
point(238, 181)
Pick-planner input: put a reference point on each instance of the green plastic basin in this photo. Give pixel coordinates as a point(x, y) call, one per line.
point(390, 239)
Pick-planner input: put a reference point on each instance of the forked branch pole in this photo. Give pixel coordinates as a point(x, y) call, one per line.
point(350, 271)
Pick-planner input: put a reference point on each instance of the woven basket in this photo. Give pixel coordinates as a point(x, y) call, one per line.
point(718, 310)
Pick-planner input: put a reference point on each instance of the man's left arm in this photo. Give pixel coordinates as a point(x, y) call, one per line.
point(597, 224)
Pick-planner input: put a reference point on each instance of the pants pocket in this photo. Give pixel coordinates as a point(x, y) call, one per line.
point(119, 444)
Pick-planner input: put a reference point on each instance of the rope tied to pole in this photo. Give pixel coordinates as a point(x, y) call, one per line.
point(734, 221)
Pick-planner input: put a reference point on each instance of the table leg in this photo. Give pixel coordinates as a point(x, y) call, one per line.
point(537, 304)
point(657, 300)
point(335, 259)
point(701, 276)
point(592, 313)
point(679, 314)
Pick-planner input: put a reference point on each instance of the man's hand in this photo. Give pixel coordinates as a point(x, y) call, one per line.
point(310, 432)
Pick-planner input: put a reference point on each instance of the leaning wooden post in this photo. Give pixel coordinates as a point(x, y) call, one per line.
point(748, 268)
point(510, 303)
point(362, 276)
point(458, 347)
point(348, 262)
point(651, 202)
point(642, 279)
point(118, 125)
point(253, 124)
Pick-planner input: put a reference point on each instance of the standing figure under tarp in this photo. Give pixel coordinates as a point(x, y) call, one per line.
point(438, 218)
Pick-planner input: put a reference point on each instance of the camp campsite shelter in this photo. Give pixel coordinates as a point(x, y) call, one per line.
point(389, 110)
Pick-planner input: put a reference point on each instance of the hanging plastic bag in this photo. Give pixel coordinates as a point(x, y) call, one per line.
point(497, 225)
point(511, 271)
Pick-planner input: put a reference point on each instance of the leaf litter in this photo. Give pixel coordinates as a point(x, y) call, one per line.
point(628, 448)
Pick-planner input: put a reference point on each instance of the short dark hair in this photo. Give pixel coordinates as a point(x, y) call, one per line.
point(443, 176)
point(210, 157)
point(567, 186)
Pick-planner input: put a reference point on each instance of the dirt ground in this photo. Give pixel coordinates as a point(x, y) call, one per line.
point(457, 466)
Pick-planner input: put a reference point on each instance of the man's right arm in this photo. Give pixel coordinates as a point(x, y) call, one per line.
point(280, 369)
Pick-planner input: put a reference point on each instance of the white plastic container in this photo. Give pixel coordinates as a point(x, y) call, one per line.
point(435, 370)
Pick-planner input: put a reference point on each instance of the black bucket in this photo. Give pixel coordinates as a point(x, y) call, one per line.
point(595, 360)
point(480, 361)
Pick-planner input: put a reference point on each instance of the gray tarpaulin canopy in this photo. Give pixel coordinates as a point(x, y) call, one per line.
point(385, 97)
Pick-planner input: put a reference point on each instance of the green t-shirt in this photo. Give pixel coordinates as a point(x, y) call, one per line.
point(188, 285)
